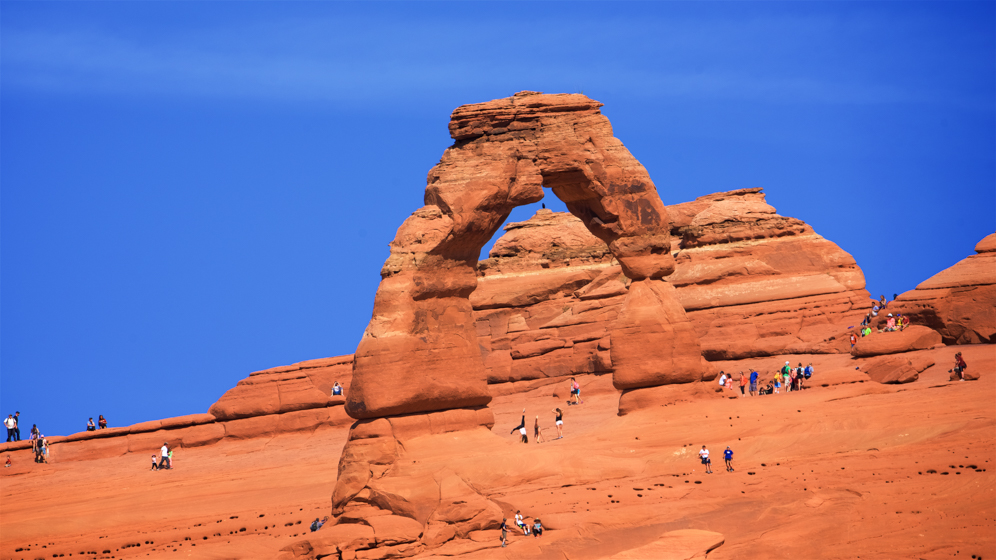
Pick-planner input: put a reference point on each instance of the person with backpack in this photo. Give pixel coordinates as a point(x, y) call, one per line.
point(575, 392)
point(960, 366)
point(504, 532)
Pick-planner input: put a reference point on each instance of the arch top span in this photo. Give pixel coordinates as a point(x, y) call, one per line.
point(419, 352)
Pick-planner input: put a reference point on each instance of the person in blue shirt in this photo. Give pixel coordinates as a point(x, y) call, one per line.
point(728, 457)
point(753, 383)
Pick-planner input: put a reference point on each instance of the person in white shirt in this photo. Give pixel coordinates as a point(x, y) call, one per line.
point(164, 462)
point(704, 456)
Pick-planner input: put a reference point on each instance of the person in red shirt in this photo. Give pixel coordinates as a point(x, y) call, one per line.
point(960, 366)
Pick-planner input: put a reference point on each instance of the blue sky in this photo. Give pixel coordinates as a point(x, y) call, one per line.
point(192, 191)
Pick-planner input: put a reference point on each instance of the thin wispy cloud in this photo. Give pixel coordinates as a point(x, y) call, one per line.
point(356, 59)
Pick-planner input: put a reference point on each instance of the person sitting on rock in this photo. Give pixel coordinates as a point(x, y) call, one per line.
point(101, 422)
point(890, 323)
point(520, 523)
point(722, 379)
point(336, 389)
point(767, 390)
point(521, 428)
point(960, 366)
point(875, 309)
point(537, 528)
point(90, 426)
point(8, 463)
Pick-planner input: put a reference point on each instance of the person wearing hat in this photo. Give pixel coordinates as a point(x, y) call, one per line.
point(890, 323)
point(537, 528)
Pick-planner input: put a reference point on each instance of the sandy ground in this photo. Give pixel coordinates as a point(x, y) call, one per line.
point(851, 470)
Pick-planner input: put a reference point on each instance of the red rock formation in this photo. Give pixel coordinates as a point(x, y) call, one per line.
point(754, 284)
point(422, 336)
point(419, 366)
point(914, 337)
point(958, 302)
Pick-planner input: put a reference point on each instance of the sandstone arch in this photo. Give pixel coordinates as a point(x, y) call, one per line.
point(419, 352)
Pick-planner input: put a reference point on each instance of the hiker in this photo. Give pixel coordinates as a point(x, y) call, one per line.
point(778, 382)
point(881, 301)
point(164, 458)
point(722, 379)
point(537, 528)
point(743, 384)
point(504, 532)
point(753, 382)
point(8, 463)
point(704, 456)
point(42, 451)
point(536, 431)
point(875, 309)
point(317, 523)
point(808, 372)
point(17, 426)
point(575, 392)
point(890, 323)
point(767, 390)
point(728, 457)
point(155, 466)
point(521, 427)
point(90, 426)
point(10, 423)
point(792, 376)
point(35, 434)
point(960, 366)
point(560, 422)
point(854, 340)
point(521, 524)
point(336, 389)
point(102, 422)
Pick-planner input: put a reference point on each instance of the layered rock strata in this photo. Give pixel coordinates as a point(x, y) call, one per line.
point(423, 335)
point(419, 370)
point(958, 302)
point(753, 283)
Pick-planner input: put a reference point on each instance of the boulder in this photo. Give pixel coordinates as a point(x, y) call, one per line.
point(958, 302)
point(683, 544)
point(896, 369)
point(914, 337)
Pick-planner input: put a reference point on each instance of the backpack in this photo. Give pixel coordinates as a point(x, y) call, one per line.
point(314, 526)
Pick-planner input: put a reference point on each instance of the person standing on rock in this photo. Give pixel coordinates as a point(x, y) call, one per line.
point(336, 389)
point(521, 428)
point(753, 382)
point(743, 384)
point(778, 382)
point(854, 340)
point(728, 457)
point(17, 426)
point(537, 435)
point(559, 420)
point(9, 423)
point(575, 392)
point(504, 532)
point(704, 456)
point(164, 462)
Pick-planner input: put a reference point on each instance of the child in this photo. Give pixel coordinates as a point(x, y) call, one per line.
point(7, 464)
point(537, 528)
point(536, 431)
point(155, 465)
point(504, 532)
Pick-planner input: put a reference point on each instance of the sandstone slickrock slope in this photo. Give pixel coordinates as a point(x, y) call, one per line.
point(958, 302)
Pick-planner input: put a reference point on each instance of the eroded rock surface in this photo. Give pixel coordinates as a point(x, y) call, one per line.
point(423, 333)
point(958, 302)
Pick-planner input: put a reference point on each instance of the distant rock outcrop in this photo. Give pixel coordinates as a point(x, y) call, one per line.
point(958, 302)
